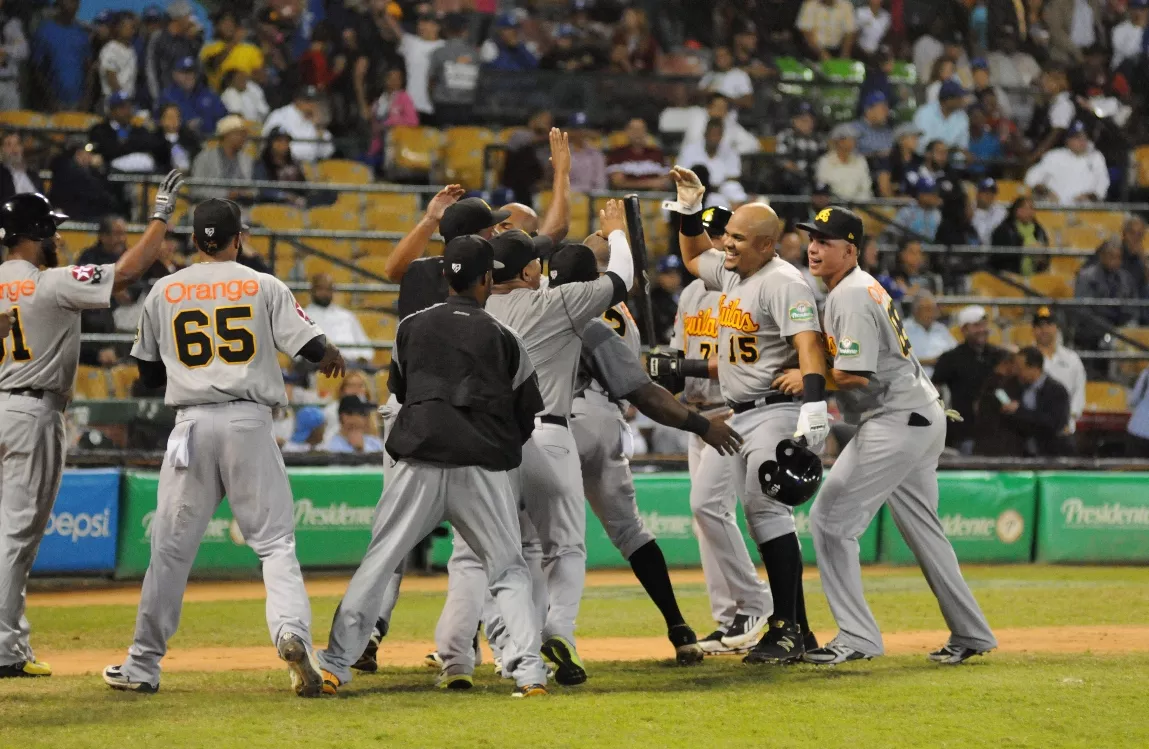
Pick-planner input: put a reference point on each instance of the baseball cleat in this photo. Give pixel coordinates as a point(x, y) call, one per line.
point(782, 643)
point(809, 641)
point(331, 683)
point(744, 631)
point(24, 669)
point(498, 667)
point(432, 660)
point(306, 679)
point(454, 681)
point(369, 661)
point(115, 679)
point(833, 654)
point(530, 690)
point(569, 670)
point(712, 644)
point(951, 655)
point(687, 651)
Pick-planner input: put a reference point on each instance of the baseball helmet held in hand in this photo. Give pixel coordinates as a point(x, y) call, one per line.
point(794, 476)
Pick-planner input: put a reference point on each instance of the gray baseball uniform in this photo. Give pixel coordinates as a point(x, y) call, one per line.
point(732, 582)
point(892, 458)
point(38, 362)
point(216, 328)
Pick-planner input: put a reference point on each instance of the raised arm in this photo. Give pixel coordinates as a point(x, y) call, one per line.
point(412, 246)
point(692, 240)
point(136, 261)
point(557, 223)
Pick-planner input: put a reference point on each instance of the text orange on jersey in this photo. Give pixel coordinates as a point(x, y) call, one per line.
point(232, 291)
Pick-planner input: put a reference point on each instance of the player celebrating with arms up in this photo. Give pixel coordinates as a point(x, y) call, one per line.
point(893, 457)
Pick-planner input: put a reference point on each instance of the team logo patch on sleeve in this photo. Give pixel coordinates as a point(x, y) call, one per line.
point(87, 273)
point(848, 347)
point(302, 313)
point(802, 312)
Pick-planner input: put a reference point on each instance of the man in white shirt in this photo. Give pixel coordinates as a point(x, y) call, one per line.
point(1013, 71)
point(340, 325)
point(988, 213)
point(1061, 363)
point(1128, 35)
point(928, 48)
point(733, 134)
point(872, 22)
point(416, 51)
point(299, 119)
point(722, 163)
point(118, 64)
point(728, 80)
point(1074, 174)
point(929, 338)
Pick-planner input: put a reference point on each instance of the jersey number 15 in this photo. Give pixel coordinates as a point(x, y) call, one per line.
point(196, 345)
point(20, 350)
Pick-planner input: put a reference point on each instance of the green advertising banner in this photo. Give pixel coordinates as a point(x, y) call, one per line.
point(987, 516)
point(1093, 517)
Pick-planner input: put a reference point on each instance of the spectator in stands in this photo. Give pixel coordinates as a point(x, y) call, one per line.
point(60, 51)
point(180, 144)
point(249, 257)
point(798, 149)
point(912, 272)
point(877, 78)
point(568, 53)
point(1128, 35)
point(1138, 426)
point(227, 160)
point(746, 54)
point(1012, 69)
point(354, 384)
point(1104, 280)
point(111, 242)
point(588, 165)
point(982, 84)
point(277, 164)
point(243, 96)
point(394, 107)
point(964, 370)
point(828, 28)
point(945, 119)
point(230, 50)
point(15, 175)
point(416, 50)
point(1133, 255)
point(201, 107)
point(985, 146)
point(1061, 363)
point(508, 51)
point(722, 163)
point(842, 168)
point(922, 218)
point(1019, 229)
point(1073, 26)
point(664, 296)
point(1042, 415)
point(873, 23)
point(117, 60)
point(169, 47)
point(341, 325)
point(904, 161)
point(454, 73)
point(13, 52)
point(79, 188)
point(928, 47)
point(988, 214)
point(1074, 174)
point(943, 70)
point(875, 136)
point(731, 82)
point(528, 156)
point(928, 337)
point(733, 133)
point(354, 435)
point(308, 433)
point(634, 35)
point(122, 145)
point(300, 119)
point(1046, 132)
point(640, 164)
point(992, 432)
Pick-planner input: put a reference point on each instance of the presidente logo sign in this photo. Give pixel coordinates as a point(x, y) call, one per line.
point(309, 517)
point(1076, 513)
point(1008, 527)
point(668, 526)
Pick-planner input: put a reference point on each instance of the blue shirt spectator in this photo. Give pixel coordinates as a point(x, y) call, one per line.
point(875, 136)
point(944, 119)
point(337, 443)
point(200, 107)
point(354, 435)
point(984, 143)
point(60, 52)
point(921, 220)
point(508, 50)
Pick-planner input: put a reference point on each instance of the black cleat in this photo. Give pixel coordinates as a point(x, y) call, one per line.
point(569, 670)
point(687, 651)
point(782, 643)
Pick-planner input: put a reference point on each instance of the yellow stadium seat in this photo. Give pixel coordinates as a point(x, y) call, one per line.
point(582, 222)
point(334, 218)
point(372, 264)
point(1106, 222)
point(1080, 237)
point(22, 118)
point(1141, 156)
point(326, 386)
point(343, 171)
point(876, 219)
point(123, 377)
point(769, 143)
point(373, 248)
point(413, 150)
point(1051, 284)
point(379, 326)
point(1053, 221)
point(986, 284)
point(463, 149)
point(1020, 335)
point(386, 219)
point(1141, 335)
point(313, 265)
point(277, 216)
point(1009, 190)
point(80, 121)
point(1066, 265)
point(340, 248)
point(350, 201)
point(91, 383)
point(381, 390)
point(1106, 397)
point(397, 202)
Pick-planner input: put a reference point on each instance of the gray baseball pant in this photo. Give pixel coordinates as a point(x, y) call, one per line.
point(31, 465)
point(231, 450)
point(890, 461)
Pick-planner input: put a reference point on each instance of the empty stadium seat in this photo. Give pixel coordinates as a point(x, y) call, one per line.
point(412, 150)
point(1106, 397)
point(1105, 222)
point(1009, 190)
point(1132, 368)
point(463, 149)
point(1066, 265)
point(397, 202)
point(1051, 284)
point(1080, 237)
point(582, 223)
point(277, 216)
point(79, 121)
point(334, 218)
point(123, 377)
point(313, 265)
point(986, 284)
point(91, 383)
point(1019, 335)
point(372, 264)
point(1141, 157)
point(379, 326)
point(326, 386)
point(343, 171)
point(22, 118)
point(340, 248)
point(387, 219)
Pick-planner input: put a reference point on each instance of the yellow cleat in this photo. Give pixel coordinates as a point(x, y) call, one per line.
point(330, 683)
point(24, 669)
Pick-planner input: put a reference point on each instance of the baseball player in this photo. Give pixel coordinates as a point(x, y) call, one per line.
point(210, 332)
point(39, 354)
point(893, 458)
point(767, 323)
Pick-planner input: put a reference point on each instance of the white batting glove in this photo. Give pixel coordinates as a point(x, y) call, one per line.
point(813, 424)
point(690, 191)
point(165, 204)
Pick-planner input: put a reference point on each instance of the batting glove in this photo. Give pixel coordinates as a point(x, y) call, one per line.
point(165, 203)
point(813, 424)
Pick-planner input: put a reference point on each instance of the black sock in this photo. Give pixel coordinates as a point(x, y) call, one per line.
point(649, 567)
point(800, 602)
point(382, 626)
point(783, 559)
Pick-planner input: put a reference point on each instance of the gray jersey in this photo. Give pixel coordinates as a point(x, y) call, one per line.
point(622, 323)
point(549, 322)
point(696, 335)
point(609, 363)
point(212, 324)
point(43, 349)
point(756, 317)
point(864, 334)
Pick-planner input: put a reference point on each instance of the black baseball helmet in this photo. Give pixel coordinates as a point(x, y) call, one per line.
point(30, 215)
point(794, 476)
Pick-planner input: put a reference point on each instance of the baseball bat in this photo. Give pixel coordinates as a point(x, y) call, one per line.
point(638, 252)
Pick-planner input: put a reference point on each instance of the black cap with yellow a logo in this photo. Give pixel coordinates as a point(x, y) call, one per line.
point(837, 223)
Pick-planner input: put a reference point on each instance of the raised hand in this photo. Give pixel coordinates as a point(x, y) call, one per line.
point(443, 200)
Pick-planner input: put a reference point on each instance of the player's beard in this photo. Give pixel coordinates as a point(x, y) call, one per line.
point(48, 252)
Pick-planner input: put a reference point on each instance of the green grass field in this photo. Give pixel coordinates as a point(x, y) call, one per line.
point(1048, 699)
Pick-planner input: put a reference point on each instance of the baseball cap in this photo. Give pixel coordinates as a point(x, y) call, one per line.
point(577, 120)
point(906, 128)
point(214, 224)
point(310, 93)
point(1044, 315)
point(804, 107)
point(951, 90)
point(573, 263)
point(820, 188)
point(506, 21)
point(230, 124)
point(1077, 128)
point(974, 313)
point(845, 130)
point(515, 249)
point(873, 98)
point(669, 264)
point(466, 259)
point(353, 404)
point(836, 223)
point(117, 99)
point(469, 216)
point(989, 184)
point(714, 220)
point(103, 18)
point(185, 64)
point(980, 63)
point(306, 421)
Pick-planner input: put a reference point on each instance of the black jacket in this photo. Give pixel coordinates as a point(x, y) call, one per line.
point(81, 193)
point(468, 389)
point(1044, 427)
point(186, 139)
point(1007, 235)
point(964, 371)
point(109, 143)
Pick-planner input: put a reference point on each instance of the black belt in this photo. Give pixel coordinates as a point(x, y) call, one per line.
point(769, 400)
point(28, 393)
point(556, 420)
